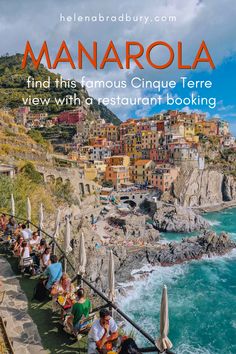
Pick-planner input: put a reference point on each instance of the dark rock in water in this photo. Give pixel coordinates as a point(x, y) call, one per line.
point(208, 244)
point(175, 218)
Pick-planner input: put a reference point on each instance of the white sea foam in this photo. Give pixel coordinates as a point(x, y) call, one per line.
point(232, 235)
point(233, 324)
point(158, 276)
point(230, 255)
point(164, 241)
point(214, 222)
point(189, 349)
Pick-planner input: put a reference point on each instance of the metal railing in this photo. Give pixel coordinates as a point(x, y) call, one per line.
point(99, 293)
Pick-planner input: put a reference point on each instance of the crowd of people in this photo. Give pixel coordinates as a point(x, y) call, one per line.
point(35, 256)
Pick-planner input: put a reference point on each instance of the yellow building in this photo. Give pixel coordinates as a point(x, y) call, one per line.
point(100, 166)
point(149, 139)
point(132, 146)
point(73, 155)
point(199, 127)
point(207, 128)
point(110, 131)
point(90, 173)
point(141, 170)
point(190, 133)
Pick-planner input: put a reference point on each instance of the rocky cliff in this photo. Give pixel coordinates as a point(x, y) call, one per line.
point(98, 255)
point(204, 188)
point(175, 218)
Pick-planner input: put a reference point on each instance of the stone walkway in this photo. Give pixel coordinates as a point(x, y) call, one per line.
point(20, 327)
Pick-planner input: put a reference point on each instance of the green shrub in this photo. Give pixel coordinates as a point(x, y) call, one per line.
point(29, 171)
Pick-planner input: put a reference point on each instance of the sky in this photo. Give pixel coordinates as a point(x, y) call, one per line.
point(195, 20)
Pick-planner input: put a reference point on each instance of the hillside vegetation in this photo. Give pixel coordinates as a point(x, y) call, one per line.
point(16, 145)
point(13, 87)
point(28, 182)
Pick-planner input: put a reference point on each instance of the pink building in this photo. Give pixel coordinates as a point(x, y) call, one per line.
point(163, 177)
point(160, 155)
point(72, 117)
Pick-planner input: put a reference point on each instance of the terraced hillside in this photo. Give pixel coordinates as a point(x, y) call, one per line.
point(13, 87)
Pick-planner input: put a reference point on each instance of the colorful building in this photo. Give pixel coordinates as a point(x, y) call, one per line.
point(118, 175)
point(120, 160)
point(163, 177)
point(141, 170)
point(72, 117)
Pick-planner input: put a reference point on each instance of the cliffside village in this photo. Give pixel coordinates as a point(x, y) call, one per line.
point(147, 152)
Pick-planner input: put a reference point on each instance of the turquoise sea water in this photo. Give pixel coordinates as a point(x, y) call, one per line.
point(202, 298)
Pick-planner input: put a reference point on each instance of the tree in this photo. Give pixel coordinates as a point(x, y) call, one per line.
point(30, 171)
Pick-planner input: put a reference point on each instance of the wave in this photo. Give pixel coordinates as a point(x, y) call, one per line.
point(147, 275)
point(157, 277)
point(214, 222)
point(230, 255)
point(189, 349)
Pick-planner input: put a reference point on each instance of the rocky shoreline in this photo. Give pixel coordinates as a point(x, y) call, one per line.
point(206, 245)
point(216, 207)
point(129, 258)
point(136, 242)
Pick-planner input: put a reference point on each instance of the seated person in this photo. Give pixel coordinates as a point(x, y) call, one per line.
point(26, 232)
point(63, 287)
point(11, 226)
point(53, 272)
point(17, 231)
point(35, 241)
point(62, 293)
point(39, 250)
point(24, 252)
point(3, 222)
point(17, 246)
point(66, 284)
point(79, 310)
point(103, 330)
point(45, 259)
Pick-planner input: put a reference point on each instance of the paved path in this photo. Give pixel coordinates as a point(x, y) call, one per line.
point(20, 327)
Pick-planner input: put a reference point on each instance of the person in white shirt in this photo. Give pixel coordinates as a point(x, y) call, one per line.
point(24, 252)
point(45, 259)
point(35, 240)
point(102, 331)
point(26, 232)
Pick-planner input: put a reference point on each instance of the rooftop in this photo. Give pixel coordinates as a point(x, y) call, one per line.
point(142, 162)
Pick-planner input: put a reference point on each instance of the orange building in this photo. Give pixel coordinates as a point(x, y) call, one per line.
point(98, 141)
point(117, 170)
point(163, 177)
point(118, 175)
point(119, 160)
